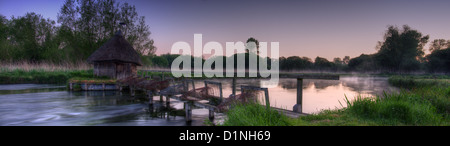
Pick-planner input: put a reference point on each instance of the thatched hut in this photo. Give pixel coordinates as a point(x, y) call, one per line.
point(116, 58)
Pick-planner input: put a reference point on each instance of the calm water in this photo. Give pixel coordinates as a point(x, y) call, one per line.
point(38, 104)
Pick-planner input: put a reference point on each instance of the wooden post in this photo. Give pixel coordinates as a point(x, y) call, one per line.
point(188, 110)
point(168, 101)
point(233, 87)
point(150, 97)
point(132, 91)
point(298, 106)
point(221, 95)
point(206, 87)
point(185, 86)
point(211, 114)
point(266, 93)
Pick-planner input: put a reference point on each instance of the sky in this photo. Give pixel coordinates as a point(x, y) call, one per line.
point(311, 28)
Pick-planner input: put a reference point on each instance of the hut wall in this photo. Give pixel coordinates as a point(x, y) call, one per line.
point(105, 69)
point(124, 70)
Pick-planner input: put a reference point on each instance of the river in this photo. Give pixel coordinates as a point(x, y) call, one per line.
point(44, 104)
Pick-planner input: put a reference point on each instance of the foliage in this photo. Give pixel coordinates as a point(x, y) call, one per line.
point(439, 44)
point(439, 60)
point(362, 63)
point(160, 61)
point(85, 26)
point(401, 50)
point(95, 79)
point(295, 63)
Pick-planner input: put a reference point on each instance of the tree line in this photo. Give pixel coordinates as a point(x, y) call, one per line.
point(84, 26)
point(402, 50)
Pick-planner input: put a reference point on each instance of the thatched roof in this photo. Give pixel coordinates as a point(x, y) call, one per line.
point(116, 49)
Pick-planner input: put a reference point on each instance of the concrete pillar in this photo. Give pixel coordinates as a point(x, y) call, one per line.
point(298, 106)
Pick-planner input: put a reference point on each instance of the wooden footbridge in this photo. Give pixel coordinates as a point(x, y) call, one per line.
point(210, 96)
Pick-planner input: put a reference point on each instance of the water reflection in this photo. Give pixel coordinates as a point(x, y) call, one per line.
point(317, 94)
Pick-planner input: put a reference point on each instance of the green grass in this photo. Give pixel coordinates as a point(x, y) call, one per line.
point(40, 76)
point(92, 80)
point(424, 101)
point(254, 115)
point(423, 81)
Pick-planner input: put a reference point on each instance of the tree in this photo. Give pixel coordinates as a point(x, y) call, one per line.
point(87, 24)
point(337, 61)
point(31, 36)
point(439, 44)
point(322, 63)
point(295, 63)
point(68, 15)
point(160, 61)
point(401, 50)
point(251, 39)
point(439, 60)
point(363, 63)
point(139, 37)
point(4, 44)
point(346, 59)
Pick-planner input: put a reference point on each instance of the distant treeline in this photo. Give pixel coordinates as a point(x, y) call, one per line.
point(401, 51)
point(84, 26)
point(87, 24)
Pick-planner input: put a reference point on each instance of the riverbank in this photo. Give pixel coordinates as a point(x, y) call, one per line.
point(40, 76)
point(424, 102)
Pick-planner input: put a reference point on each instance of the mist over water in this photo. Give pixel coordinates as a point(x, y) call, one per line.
point(317, 94)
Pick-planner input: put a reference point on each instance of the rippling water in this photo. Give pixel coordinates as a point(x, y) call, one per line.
point(39, 104)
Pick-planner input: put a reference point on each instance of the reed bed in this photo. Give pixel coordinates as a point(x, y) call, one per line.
point(42, 73)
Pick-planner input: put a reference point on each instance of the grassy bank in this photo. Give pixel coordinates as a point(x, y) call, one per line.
point(42, 73)
point(423, 101)
point(39, 76)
